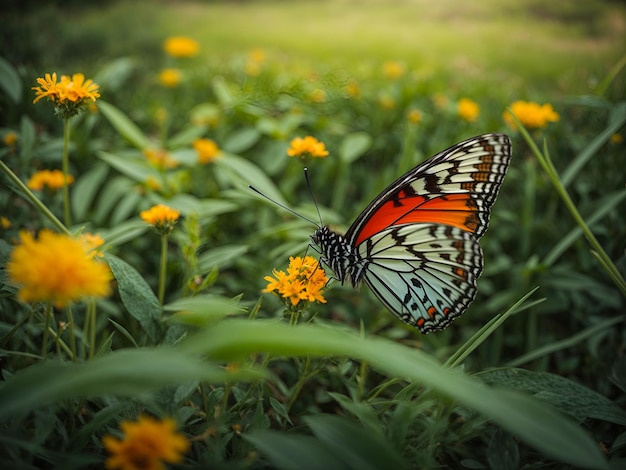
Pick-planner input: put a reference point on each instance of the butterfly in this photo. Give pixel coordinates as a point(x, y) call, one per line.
point(416, 244)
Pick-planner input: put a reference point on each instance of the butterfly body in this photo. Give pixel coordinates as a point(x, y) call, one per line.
point(416, 244)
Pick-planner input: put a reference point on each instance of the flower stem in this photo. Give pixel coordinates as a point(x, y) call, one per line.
point(70, 320)
point(44, 343)
point(32, 198)
point(65, 167)
point(163, 270)
point(90, 324)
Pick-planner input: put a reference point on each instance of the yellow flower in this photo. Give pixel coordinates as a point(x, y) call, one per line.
point(170, 78)
point(468, 109)
point(147, 443)
point(52, 179)
point(617, 138)
point(318, 96)
point(152, 183)
point(393, 69)
point(530, 114)
point(70, 95)
point(160, 158)
point(9, 139)
point(352, 89)
point(256, 58)
point(56, 268)
point(163, 218)
point(304, 280)
point(93, 242)
point(441, 101)
point(307, 147)
point(414, 116)
point(181, 46)
point(207, 150)
point(386, 101)
point(5, 223)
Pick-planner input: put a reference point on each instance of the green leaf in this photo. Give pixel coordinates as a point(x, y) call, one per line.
point(357, 447)
point(293, 451)
point(220, 257)
point(27, 139)
point(135, 168)
point(564, 394)
point(10, 81)
point(137, 296)
point(354, 146)
point(86, 188)
point(531, 420)
point(242, 140)
point(186, 137)
point(123, 125)
point(203, 309)
point(124, 372)
point(123, 232)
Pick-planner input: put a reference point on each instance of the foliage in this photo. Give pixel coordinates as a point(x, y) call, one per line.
point(528, 377)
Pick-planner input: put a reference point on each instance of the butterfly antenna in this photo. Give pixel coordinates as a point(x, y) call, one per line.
point(308, 185)
point(283, 206)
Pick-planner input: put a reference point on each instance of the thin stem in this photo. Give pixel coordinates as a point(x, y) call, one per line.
point(90, 328)
point(163, 269)
point(65, 166)
point(70, 320)
point(32, 198)
point(46, 328)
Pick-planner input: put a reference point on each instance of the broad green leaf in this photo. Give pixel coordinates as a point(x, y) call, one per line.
point(10, 81)
point(242, 140)
point(354, 146)
point(121, 233)
point(116, 74)
point(86, 188)
point(124, 372)
point(220, 257)
point(134, 168)
point(27, 139)
point(532, 421)
point(123, 125)
point(358, 447)
point(137, 296)
point(564, 394)
point(202, 309)
point(186, 137)
point(294, 451)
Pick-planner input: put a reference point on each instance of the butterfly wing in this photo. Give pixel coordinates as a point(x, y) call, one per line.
point(424, 273)
point(456, 187)
point(419, 238)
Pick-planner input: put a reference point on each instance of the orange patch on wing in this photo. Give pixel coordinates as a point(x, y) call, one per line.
point(458, 210)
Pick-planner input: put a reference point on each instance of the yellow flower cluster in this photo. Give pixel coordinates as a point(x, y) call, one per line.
point(52, 179)
point(147, 443)
point(468, 109)
point(160, 158)
point(304, 280)
point(307, 147)
point(56, 268)
point(170, 78)
point(530, 114)
point(163, 218)
point(393, 69)
point(207, 150)
point(70, 94)
point(181, 47)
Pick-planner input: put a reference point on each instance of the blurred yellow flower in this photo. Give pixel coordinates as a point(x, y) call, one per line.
point(617, 138)
point(146, 444)
point(393, 69)
point(318, 96)
point(70, 95)
point(160, 158)
point(56, 268)
point(386, 101)
point(352, 89)
point(468, 109)
point(162, 217)
point(440, 101)
point(9, 139)
point(52, 179)
point(181, 46)
point(414, 116)
point(5, 223)
point(207, 150)
point(93, 241)
point(305, 279)
point(170, 78)
point(152, 183)
point(530, 114)
point(254, 63)
point(307, 147)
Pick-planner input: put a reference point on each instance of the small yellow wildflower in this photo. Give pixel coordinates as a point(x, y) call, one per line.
point(414, 116)
point(393, 69)
point(70, 95)
point(530, 114)
point(152, 183)
point(181, 46)
point(93, 242)
point(207, 150)
point(440, 101)
point(52, 179)
point(386, 101)
point(352, 89)
point(56, 268)
point(318, 96)
point(160, 158)
point(256, 58)
point(4, 223)
point(170, 78)
point(468, 109)
point(163, 218)
point(9, 139)
point(147, 443)
point(617, 138)
point(304, 280)
point(307, 147)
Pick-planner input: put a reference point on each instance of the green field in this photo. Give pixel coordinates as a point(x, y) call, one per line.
point(191, 337)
